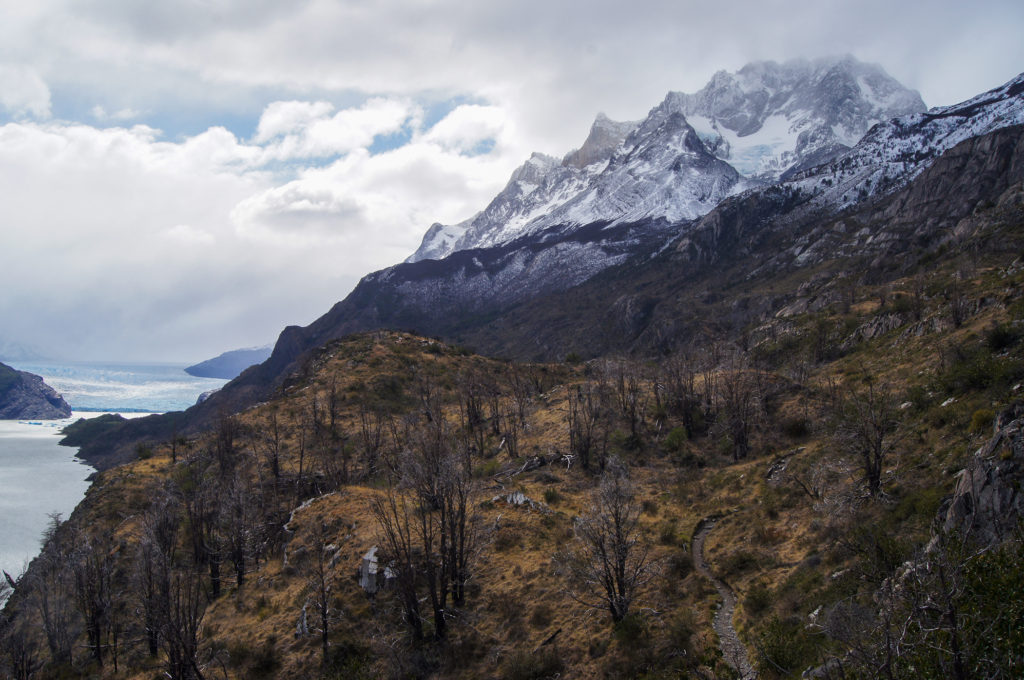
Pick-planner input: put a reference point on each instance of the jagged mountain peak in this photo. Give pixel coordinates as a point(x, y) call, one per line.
point(692, 150)
point(534, 168)
point(604, 138)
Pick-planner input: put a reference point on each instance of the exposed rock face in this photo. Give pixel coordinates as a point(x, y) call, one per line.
point(988, 501)
point(25, 395)
point(605, 136)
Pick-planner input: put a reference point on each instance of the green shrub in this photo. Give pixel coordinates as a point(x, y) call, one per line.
point(982, 419)
point(739, 561)
point(627, 442)
point(667, 532)
point(631, 630)
point(507, 538)
point(542, 615)
point(676, 439)
point(680, 564)
point(1001, 336)
point(796, 427)
point(488, 468)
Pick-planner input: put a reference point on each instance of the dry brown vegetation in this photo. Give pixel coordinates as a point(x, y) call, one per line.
point(274, 508)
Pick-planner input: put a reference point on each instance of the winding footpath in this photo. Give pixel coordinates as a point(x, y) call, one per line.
point(733, 650)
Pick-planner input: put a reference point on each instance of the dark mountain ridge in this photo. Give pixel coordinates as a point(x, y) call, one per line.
point(228, 365)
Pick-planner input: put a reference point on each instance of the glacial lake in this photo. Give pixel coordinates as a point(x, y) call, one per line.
point(39, 477)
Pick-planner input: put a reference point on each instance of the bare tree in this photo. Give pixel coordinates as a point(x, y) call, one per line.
point(320, 581)
point(398, 550)
point(240, 525)
point(52, 590)
point(92, 564)
point(270, 442)
point(629, 393)
point(737, 395)
point(180, 633)
point(610, 562)
point(154, 558)
point(868, 430)
point(19, 655)
point(588, 436)
point(428, 532)
point(372, 434)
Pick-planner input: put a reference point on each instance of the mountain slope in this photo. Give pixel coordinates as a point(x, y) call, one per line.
point(473, 289)
point(229, 364)
point(509, 299)
point(722, 275)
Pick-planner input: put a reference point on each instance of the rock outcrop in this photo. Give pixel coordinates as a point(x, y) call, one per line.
point(987, 501)
point(25, 395)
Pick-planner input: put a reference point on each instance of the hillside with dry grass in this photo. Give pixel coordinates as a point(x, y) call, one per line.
point(748, 462)
point(237, 553)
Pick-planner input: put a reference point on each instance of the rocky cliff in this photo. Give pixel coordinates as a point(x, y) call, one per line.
point(987, 501)
point(25, 395)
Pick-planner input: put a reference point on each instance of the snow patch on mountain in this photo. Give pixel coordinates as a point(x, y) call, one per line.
point(895, 152)
point(768, 118)
point(693, 150)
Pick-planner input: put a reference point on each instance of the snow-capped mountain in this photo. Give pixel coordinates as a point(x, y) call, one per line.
point(658, 169)
point(894, 153)
point(535, 189)
point(769, 118)
point(690, 152)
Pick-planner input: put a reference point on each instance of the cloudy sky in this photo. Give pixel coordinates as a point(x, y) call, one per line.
point(183, 177)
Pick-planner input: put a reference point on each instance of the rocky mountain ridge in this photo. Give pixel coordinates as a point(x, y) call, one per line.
point(761, 122)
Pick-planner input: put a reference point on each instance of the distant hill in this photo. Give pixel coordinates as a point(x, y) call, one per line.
point(229, 364)
point(25, 395)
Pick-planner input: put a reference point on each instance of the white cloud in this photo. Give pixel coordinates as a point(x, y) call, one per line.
point(23, 93)
point(380, 204)
point(161, 248)
point(307, 130)
point(102, 115)
point(186, 233)
point(283, 118)
point(468, 126)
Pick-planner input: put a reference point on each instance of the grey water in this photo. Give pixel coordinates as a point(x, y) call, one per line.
point(37, 477)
